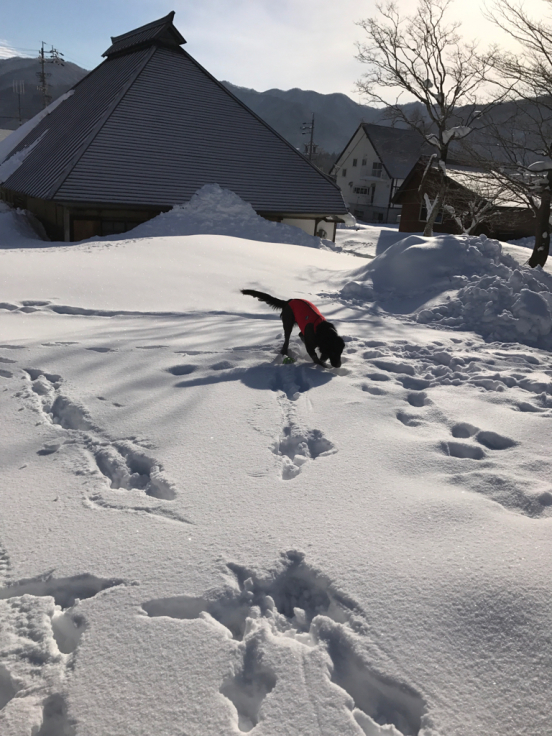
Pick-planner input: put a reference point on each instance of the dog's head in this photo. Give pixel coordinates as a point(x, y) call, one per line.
point(330, 343)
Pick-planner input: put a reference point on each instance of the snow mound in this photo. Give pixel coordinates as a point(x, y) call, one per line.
point(216, 211)
point(19, 229)
point(495, 297)
point(512, 308)
point(416, 264)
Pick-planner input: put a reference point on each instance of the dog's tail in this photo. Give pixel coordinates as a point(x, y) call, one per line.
point(261, 296)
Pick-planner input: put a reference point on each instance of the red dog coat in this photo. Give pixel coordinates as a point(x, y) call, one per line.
point(305, 313)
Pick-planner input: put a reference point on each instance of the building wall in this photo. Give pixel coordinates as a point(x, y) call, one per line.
point(366, 192)
point(506, 225)
point(71, 223)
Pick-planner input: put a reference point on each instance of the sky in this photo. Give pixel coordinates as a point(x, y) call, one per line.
point(258, 44)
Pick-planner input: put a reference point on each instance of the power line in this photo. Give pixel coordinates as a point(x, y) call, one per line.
point(307, 128)
point(47, 57)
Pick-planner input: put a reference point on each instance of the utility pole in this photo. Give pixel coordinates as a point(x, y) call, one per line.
point(19, 89)
point(309, 128)
point(47, 57)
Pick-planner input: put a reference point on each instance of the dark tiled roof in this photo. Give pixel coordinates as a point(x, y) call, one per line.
point(398, 148)
point(161, 30)
point(150, 127)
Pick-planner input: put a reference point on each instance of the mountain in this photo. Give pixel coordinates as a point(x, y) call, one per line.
point(17, 69)
point(336, 115)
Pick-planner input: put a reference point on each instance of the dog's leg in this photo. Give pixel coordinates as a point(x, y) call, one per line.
point(310, 344)
point(288, 320)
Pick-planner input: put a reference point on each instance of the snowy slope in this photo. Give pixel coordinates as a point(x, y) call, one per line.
point(197, 539)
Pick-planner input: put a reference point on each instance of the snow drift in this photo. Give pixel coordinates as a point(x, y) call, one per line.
point(19, 229)
point(493, 295)
point(216, 211)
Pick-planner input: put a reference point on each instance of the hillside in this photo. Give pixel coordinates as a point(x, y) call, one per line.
point(17, 69)
point(336, 115)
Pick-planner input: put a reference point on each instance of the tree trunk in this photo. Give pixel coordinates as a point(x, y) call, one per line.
point(542, 232)
point(428, 230)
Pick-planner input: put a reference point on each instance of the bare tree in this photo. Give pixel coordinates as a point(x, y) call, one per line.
point(424, 56)
point(479, 196)
point(529, 76)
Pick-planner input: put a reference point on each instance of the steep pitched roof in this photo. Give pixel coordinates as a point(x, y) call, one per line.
point(150, 126)
point(397, 148)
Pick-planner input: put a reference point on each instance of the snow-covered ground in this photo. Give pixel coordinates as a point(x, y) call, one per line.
point(198, 539)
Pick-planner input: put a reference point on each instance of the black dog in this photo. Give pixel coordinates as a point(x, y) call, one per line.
point(316, 331)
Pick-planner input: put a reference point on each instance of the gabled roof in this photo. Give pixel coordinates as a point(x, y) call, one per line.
point(162, 31)
point(397, 148)
point(150, 126)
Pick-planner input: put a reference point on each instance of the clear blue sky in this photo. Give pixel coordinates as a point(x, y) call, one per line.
point(252, 43)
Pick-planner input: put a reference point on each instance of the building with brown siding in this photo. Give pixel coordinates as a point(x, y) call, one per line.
point(507, 217)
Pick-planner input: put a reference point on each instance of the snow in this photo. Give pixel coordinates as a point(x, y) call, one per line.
point(14, 162)
point(485, 290)
point(196, 538)
point(19, 228)
point(541, 166)
point(218, 211)
point(455, 133)
point(10, 142)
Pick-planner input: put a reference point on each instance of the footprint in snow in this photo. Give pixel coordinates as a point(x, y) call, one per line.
point(418, 399)
point(295, 605)
point(462, 450)
point(182, 370)
point(409, 420)
point(374, 390)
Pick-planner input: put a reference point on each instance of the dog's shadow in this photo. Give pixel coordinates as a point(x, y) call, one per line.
point(291, 379)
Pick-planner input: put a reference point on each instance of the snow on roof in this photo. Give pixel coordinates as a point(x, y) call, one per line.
point(13, 139)
point(488, 185)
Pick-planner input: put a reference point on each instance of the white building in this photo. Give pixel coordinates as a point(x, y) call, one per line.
point(372, 166)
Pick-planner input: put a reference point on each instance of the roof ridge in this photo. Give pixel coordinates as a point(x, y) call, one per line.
point(99, 125)
point(160, 21)
point(160, 31)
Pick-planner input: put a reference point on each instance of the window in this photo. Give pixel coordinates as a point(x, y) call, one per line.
point(363, 162)
point(423, 215)
point(344, 172)
point(361, 190)
point(377, 169)
point(355, 161)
